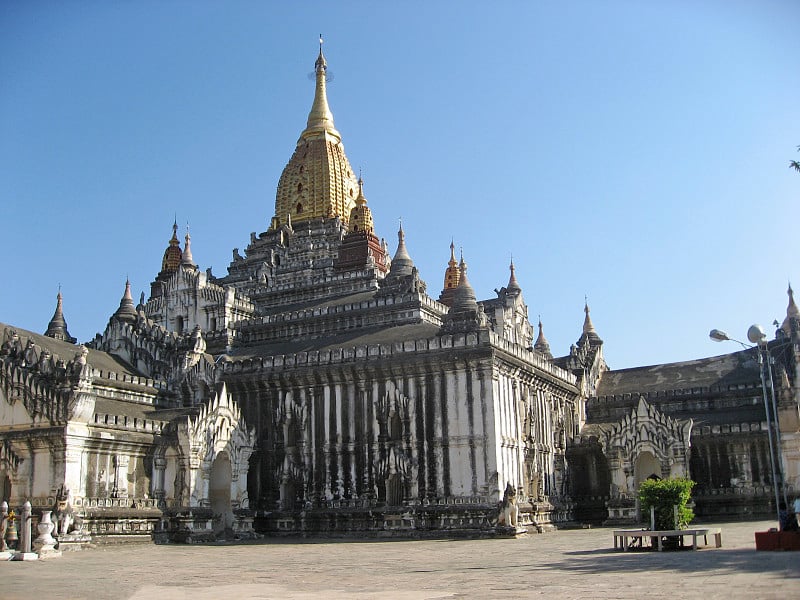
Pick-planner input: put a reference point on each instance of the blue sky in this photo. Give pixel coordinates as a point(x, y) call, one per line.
point(632, 152)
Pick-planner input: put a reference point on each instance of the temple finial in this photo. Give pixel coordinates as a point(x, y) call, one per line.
point(126, 311)
point(187, 258)
point(57, 328)
point(320, 119)
point(541, 344)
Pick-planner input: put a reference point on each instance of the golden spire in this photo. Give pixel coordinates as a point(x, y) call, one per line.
point(452, 274)
point(317, 182)
point(320, 119)
point(361, 215)
point(173, 253)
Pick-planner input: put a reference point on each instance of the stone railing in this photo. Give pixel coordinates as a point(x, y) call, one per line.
point(128, 378)
point(128, 423)
point(532, 357)
point(82, 502)
point(676, 393)
point(730, 428)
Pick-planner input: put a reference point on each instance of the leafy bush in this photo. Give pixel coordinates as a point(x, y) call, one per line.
point(663, 494)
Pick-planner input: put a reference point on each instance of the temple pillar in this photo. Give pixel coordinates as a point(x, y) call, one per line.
point(120, 489)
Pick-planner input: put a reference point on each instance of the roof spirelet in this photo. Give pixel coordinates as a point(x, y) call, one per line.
point(187, 258)
point(464, 298)
point(541, 344)
point(452, 276)
point(513, 285)
point(792, 312)
point(588, 326)
point(57, 328)
point(589, 334)
point(401, 263)
point(126, 311)
point(173, 254)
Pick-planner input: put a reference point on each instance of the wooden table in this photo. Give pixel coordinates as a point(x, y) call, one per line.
point(623, 537)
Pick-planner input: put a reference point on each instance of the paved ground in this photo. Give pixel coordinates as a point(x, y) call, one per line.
point(564, 564)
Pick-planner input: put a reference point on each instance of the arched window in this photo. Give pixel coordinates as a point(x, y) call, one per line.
point(299, 187)
point(179, 325)
point(299, 208)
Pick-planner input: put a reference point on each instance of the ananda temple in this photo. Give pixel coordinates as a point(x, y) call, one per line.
point(322, 386)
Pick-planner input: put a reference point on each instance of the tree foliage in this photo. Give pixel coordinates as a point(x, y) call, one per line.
point(795, 164)
point(664, 494)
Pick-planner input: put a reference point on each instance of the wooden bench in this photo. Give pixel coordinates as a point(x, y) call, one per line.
point(624, 537)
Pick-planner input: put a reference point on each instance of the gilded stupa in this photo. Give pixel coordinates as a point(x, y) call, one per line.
point(318, 181)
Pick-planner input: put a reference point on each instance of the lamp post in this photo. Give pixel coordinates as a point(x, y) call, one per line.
point(757, 337)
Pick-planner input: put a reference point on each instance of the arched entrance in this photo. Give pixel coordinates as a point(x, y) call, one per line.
point(219, 492)
point(646, 466)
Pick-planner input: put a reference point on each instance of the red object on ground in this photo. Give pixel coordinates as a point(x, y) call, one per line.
point(777, 540)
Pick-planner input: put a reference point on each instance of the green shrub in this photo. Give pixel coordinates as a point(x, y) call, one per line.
point(663, 494)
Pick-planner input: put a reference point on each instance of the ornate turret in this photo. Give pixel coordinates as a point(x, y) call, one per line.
point(187, 260)
point(361, 215)
point(464, 298)
point(465, 314)
point(401, 263)
point(126, 311)
point(361, 249)
point(318, 181)
point(589, 334)
point(513, 287)
point(541, 344)
point(172, 255)
point(452, 276)
point(403, 276)
point(792, 315)
point(57, 328)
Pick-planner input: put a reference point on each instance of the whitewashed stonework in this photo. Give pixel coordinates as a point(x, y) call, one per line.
point(319, 388)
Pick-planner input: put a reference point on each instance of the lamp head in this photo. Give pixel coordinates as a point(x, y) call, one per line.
point(756, 335)
point(718, 335)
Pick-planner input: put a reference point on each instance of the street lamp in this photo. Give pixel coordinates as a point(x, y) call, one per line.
point(757, 337)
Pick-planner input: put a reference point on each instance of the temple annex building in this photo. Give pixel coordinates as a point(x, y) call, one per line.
point(323, 387)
